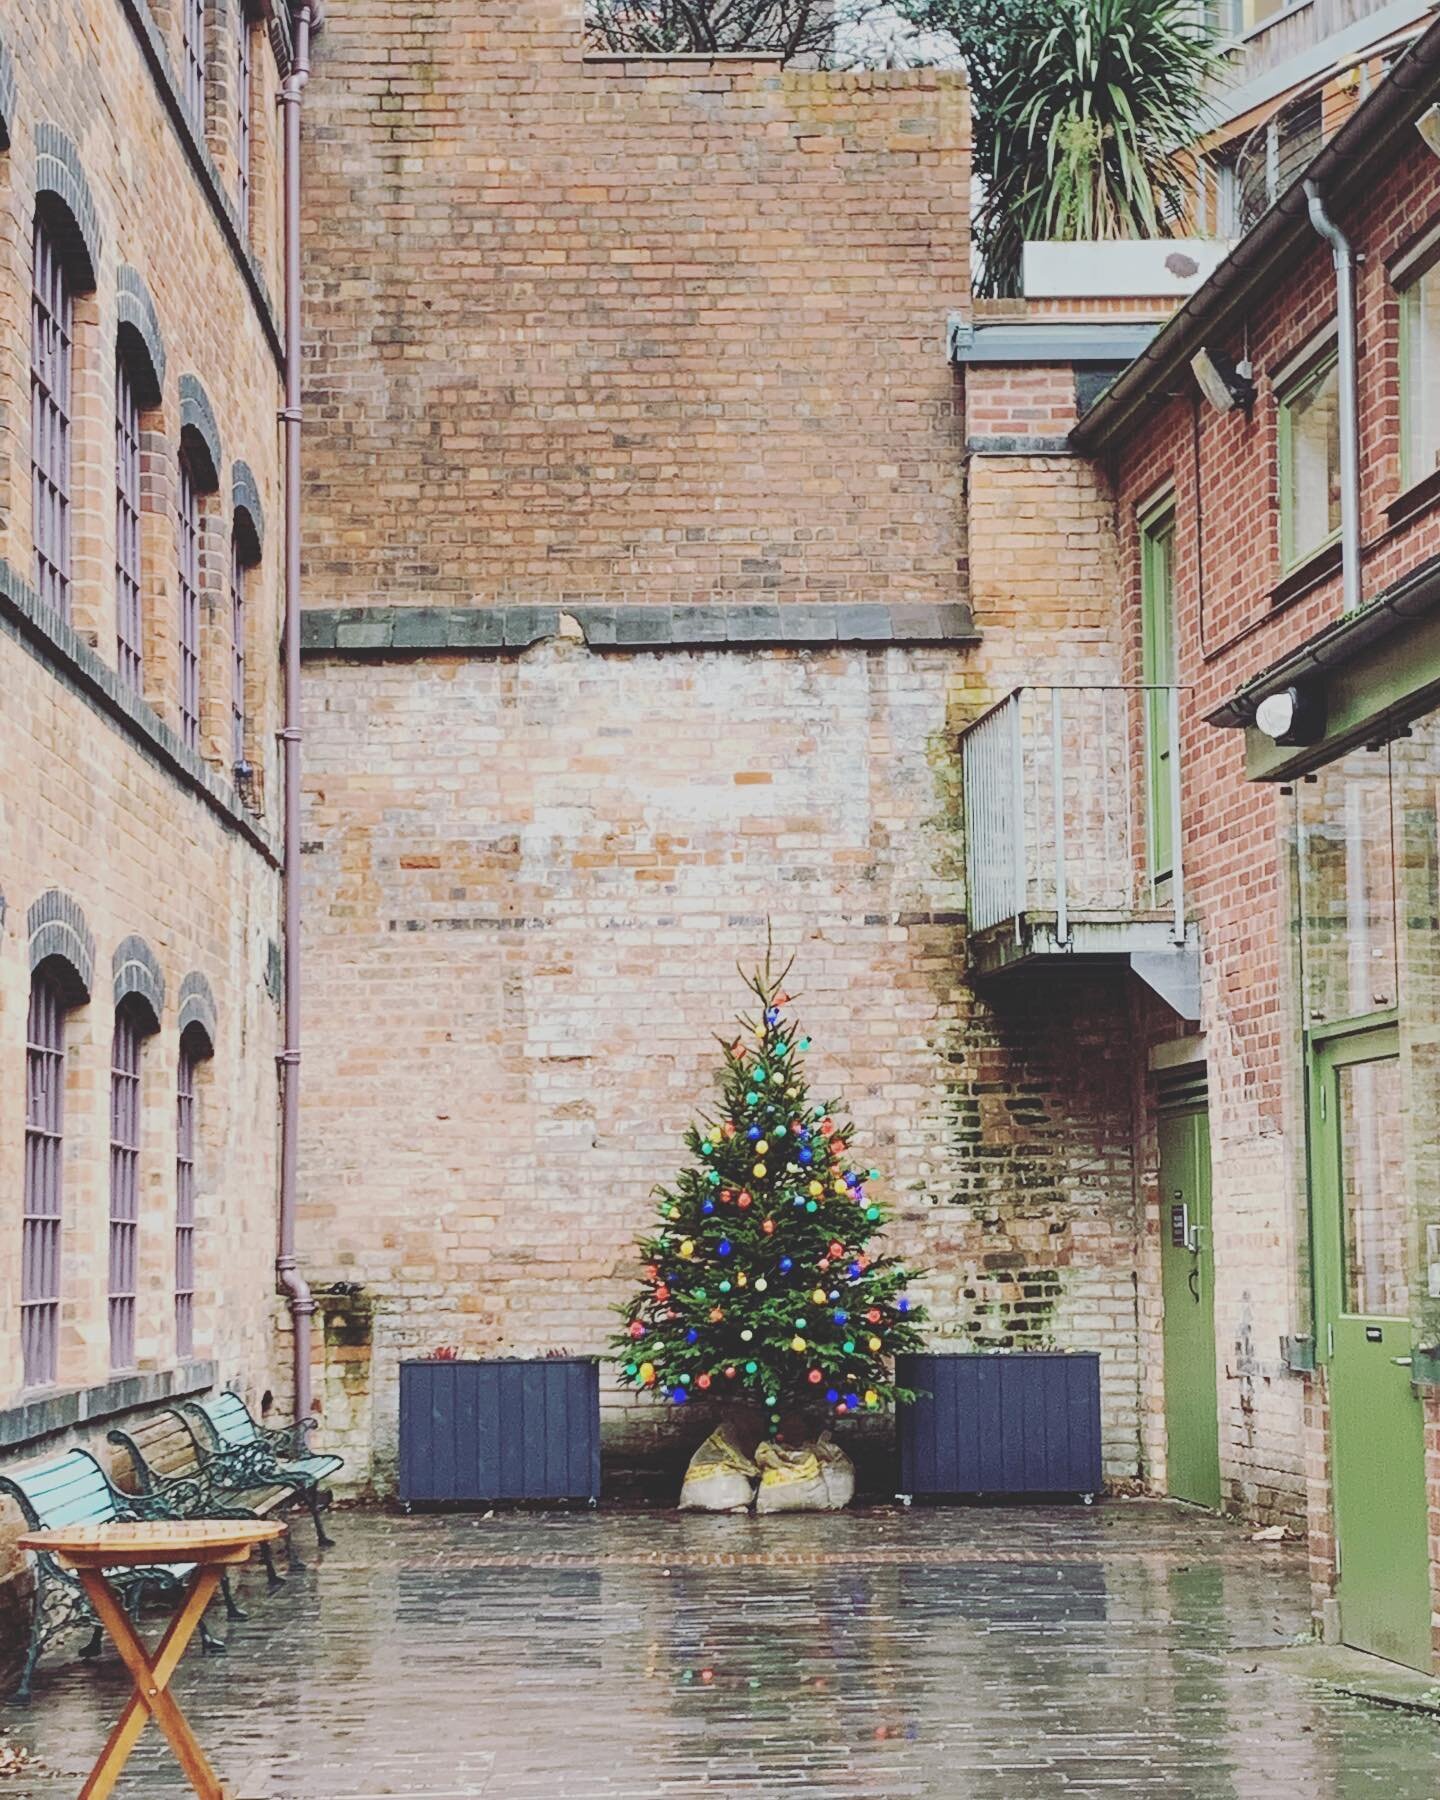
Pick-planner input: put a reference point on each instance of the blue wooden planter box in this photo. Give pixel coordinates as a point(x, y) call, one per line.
point(1027, 1422)
point(503, 1429)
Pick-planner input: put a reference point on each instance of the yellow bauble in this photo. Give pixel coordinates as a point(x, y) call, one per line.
point(874, 1343)
point(741, 1279)
point(647, 1373)
point(797, 1343)
point(871, 1397)
point(674, 1212)
point(687, 1249)
point(758, 1171)
point(762, 1148)
point(777, 1076)
point(840, 1188)
point(818, 1296)
point(816, 1189)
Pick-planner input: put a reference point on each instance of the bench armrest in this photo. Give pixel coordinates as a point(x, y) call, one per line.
point(289, 1440)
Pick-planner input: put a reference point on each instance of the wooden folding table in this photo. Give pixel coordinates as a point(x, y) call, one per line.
point(211, 1545)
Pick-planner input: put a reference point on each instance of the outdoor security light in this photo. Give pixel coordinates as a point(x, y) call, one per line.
point(1428, 125)
point(1294, 715)
point(1224, 384)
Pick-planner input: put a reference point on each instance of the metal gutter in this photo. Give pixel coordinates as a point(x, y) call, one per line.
point(1347, 372)
point(1412, 596)
point(1265, 255)
point(302, 1304)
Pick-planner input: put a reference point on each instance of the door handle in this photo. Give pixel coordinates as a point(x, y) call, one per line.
point(1402, 1362)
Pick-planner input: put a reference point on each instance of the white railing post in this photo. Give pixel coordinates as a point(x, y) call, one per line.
point(1017, 778)
point(1177, 861)
point(1057, 794)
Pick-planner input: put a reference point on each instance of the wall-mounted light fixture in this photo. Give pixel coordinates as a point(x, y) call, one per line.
point(1293, 715)
point(1428, 125)
point(1224, 384)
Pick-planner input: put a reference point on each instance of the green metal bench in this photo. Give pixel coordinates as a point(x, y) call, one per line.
point(74, 1490)
point(226, 1424)
point(168, 1462)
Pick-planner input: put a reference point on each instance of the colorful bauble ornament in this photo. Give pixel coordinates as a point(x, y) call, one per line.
point(703, 1381)
point(816, 1189)
point(730, 1371)
point(687, 1249)
point(818, 1296)
point(741, 1278)
point(812, 1206)
point(873, 1315)
point(768, 1227)
point(723, 1247)
point(761, 1284)
point(744, 1201)
point(797, 1344)
point(874, 1343)
point(716, 1315)
point(848, 1346)
point(751, 1367)
point(816, 1377)
point(679, 1396)
point(762, 1148)
point(786, 1265)
point(872, 1212)
point(758, 1171)
point(637, 1330)
point(746, 1335)
point(647, 1373)
point(692, 1336)
point(871, 1397)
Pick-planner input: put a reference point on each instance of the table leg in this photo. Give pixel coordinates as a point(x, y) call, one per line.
point(151, 1698)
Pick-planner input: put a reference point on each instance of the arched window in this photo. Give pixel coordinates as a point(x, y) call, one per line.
point(130, 658)
point(52, 338)
point(189, 639)
point(125, 1123)
point(197, 1017)
point(44, 1179)
point(244, 556)
point(192, 43)
point(185, 1136)
point(243, 88)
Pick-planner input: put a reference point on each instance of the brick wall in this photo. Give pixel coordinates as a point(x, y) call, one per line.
point(668, 336)
point(104, 815)
point(1235, 615)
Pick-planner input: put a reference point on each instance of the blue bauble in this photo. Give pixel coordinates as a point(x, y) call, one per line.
point(678, 1395)
point(723, 1247)
point(786, 1265)
point(855, 1271)
point(841, 1317)
point(708, 1207)
point(692, 1336)
point(807, 1156)
point(831, 1395)
point(753, 1134)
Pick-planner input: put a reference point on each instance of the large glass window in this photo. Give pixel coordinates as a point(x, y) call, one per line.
point(52, 332)
point(1420, 377)
point(44, 1182)
point(1310, 463)
point(243, 86)
point(238, 626)
point(1157, 618)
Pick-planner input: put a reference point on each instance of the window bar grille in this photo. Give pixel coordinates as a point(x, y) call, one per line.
point(52, 327)
point(44, 1151)
point(237, 651)
point(124, 1186)
point(242, 115)
point(189, 608)
point(185, 1206)
point(129, 655)
point(193, 51)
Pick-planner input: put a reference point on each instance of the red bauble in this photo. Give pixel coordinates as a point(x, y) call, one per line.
point(824, 1263)
point(662, 1292)
point(730, 1372)
point(837, 1249)
point(703, 1381)
point(637, 1330)
point(836, 1147)
point(744, 1201)
point(768, 1227)
point(649, 1271)
point(827, 1126)
point(816, 1377)
point(873, 1315)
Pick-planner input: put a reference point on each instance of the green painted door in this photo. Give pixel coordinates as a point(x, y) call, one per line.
point(1187, 1277)
point(1157, 630)
point(1362, 1226)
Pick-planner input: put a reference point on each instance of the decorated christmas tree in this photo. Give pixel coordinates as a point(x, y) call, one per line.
point(758, 1281)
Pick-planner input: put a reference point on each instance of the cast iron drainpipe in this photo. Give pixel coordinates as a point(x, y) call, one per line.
point(302, 1304)
point(1344, 255)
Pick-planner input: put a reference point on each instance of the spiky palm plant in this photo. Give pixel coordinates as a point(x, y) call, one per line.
point(1084, 113)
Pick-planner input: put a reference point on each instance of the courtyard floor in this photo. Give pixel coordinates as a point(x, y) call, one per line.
point(955, 1654)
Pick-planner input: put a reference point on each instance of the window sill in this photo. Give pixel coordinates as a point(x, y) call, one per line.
point(1418, 498)
point(48, 1411)
point(1319, 566)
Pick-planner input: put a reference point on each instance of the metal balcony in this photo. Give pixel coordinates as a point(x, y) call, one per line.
point(1073, 840)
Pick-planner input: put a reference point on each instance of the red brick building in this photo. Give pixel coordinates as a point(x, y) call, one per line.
point(1282, 570)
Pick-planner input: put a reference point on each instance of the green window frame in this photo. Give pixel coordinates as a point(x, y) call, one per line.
point(1309, 457)
point(1420, 374)
point(1157, 666)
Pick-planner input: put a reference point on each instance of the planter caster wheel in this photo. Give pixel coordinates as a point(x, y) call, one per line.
point(593, 1502)
point(904, 1500)
point(1087, 1499)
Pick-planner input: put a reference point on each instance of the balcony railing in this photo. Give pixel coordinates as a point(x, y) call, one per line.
point(1072, 810)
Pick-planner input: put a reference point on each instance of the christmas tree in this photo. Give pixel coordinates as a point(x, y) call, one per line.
point(758, 1282)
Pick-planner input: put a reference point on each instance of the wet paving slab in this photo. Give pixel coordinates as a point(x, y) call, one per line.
point(935, 1654)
